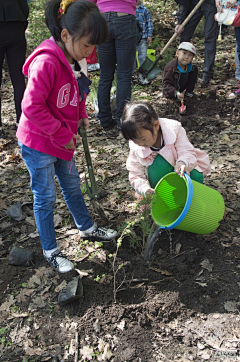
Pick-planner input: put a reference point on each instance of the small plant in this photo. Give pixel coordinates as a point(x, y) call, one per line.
point(139, 229)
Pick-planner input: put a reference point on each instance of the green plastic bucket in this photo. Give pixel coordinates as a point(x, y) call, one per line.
point(184, 204)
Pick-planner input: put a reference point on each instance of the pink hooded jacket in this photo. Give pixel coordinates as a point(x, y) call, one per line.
point(51, 107)
point(176, 148)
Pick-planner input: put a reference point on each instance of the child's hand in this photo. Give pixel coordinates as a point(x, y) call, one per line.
point(180, 96)
point(83, 122)
point(149, 39)
point(70, 145)
point(180, 168)
point(149, 192)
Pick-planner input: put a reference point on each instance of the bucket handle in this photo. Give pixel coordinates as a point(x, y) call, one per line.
point(186, 207)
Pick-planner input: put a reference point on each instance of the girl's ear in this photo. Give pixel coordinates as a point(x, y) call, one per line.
point(156, 126)
point(65, 35)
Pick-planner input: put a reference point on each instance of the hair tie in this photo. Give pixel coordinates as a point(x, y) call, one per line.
point(63, 7)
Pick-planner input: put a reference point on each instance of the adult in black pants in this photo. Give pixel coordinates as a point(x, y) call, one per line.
point(208, 10)
point(13, 23)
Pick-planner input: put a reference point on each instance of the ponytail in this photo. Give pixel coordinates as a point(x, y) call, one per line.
point(81, 18)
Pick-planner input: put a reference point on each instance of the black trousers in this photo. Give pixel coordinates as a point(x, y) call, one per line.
point(188, 80)
point(13, 45)
point(207, 10)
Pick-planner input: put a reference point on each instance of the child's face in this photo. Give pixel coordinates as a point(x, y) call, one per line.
point(184, 57)
point(146, 138)
point(79, 49)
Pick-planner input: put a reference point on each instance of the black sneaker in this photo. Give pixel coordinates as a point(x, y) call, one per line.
point(205, 82)
point(60, 262)
point(99, 233)
point(2, 134)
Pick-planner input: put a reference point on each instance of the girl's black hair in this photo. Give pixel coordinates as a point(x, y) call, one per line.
point(82, 18)
point(137, 115)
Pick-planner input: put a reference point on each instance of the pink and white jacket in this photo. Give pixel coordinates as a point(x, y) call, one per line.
point(177, 147)
point(51, 107)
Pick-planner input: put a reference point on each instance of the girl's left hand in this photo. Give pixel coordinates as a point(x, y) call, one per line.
point(83, 122)
point(180, 168)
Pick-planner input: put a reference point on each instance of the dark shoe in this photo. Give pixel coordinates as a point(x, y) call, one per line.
point(205, 82)
point(2, 134)
point(60, 262)
point(99, 233)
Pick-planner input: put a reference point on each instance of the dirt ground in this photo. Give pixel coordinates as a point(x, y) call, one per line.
point(180, 305)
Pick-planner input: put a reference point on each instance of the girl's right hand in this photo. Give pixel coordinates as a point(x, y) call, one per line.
point(149, 192)
point(70, 145)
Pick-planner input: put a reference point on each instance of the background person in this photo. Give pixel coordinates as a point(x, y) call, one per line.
point(117, 53)
point(208, 10)
point(180, 74)
point(13, 23)
point(145, 21)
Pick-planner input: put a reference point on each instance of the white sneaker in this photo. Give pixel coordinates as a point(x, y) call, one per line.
point(98, 233)
point(93, 67)
point(58, 261)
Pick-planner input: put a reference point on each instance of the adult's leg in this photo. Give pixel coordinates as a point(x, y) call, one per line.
point(107, 61)
point(42, 170)
point(142, 51)
point(16, 51)
point(125, 28)
point(190, 27)
point(237, 53)
point(69, 181)
point(210, 32)
point(2, 53)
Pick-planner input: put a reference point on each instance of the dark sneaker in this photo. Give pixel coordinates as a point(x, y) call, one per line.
point(99, 233)
point(58, 261)
point(205, 82)
point(2, 134)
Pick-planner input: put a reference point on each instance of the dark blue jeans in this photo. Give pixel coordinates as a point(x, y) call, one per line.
point(42, 169)
point(117, 52)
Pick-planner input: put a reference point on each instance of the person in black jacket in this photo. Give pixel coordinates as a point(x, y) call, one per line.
point(13, 23)
point(208, 10)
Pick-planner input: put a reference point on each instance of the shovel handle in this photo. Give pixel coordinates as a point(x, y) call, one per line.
point(183, 24)
point(93, 190)
point(175, 35)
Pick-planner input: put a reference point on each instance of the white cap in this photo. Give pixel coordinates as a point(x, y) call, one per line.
point(187, 46)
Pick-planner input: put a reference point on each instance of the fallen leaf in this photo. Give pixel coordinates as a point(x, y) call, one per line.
point(86, 353)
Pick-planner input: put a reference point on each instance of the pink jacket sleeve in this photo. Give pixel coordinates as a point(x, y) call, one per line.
point(137, 174)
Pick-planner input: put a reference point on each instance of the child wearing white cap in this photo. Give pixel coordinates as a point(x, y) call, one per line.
point(180, 74)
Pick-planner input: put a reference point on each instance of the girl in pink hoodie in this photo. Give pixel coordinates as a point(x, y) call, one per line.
point(53, 108)
point(158, 146)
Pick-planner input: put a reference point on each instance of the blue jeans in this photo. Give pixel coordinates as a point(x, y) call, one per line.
point(42, 169)
point(237, 53)
point(119, 50)
point(142, 51)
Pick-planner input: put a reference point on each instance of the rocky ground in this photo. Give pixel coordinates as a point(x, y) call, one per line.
point(180, 305)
